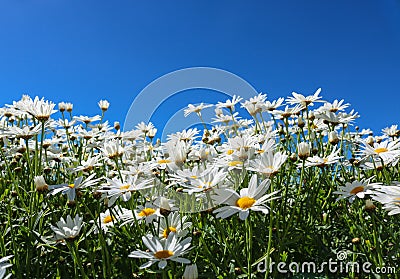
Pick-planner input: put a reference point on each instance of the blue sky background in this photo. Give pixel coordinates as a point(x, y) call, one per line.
point(84, 51)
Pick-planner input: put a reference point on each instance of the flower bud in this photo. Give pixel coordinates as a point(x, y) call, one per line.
point(300, 122)
point(191, 272)
point(104, 104)
point(117, 126)
point(218, 111)
point(333, 137)
point(62, 107)
point(152, 132)
point(356, 240)
point(40, 183)
point(303, 149)
point(69, 106)
point(369, 205)
point(370, 140)
point(165, 208)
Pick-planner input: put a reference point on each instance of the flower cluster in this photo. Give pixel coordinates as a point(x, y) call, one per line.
point(284, 165)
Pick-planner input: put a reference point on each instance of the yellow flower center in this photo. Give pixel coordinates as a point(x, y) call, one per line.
point(71, 185)
point(147, 212)
point(164, 161)
point(108, 219)
point(245, 202)
point(380, 150)
point(124, 187)
point(260, 151)
point(397, 201)
point(229, 152)
point(163, 254)
point(165, 233)
point(235, 163)
point(193, 176)
point(357, 190)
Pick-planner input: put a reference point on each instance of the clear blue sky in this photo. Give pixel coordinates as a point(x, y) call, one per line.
point(84, 51)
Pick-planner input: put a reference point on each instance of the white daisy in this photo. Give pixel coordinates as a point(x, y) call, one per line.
point(355, 189)
point(69, 229)
point(4, 264)
point(324, 160)
point(70, 189)
point(206, 182)
point(389, 196)
point(268, 163)
point(230, 104)
point(116, 188)
point(251, 198)
point(162, 250)
point(108, 219)
point(196, 109)
point(304, 101)
point(387, 150)
point(174, 223)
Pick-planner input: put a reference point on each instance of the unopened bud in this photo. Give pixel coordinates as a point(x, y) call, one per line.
point(104, 104)
point(117, 126)
point(369, 205)
point(333, 137)
point(370, 140)
point(191, 272)
point(303, 150)
point(300, 122)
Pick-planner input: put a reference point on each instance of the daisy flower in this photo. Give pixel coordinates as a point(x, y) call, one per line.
point(116, 188)
point(162, 250)
point(38, 108)
point(41, 109)
point(288, 112)
point(391, 131)
point(86, 119)
point(70, 189)
point(251, 198)
point(230, 104)
point(3, 267)
point(255, 104)
point(147, 213)
point(268, 163)
point(25, 132)
point(185, 135)
point(173, 223)
point(389, 196)
point(271, 106)
point(355, 189)
point(387, 150)
point(323, 161)
point(112, 149)
point(196, 109)
point(233, 161)
point(108, 219)
point(89, 164)
point(334, 106)
point(206, 182)
point(304, 101)
point(145, 128)
point(69, 229)
point(222, 118)
point(40, 183)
